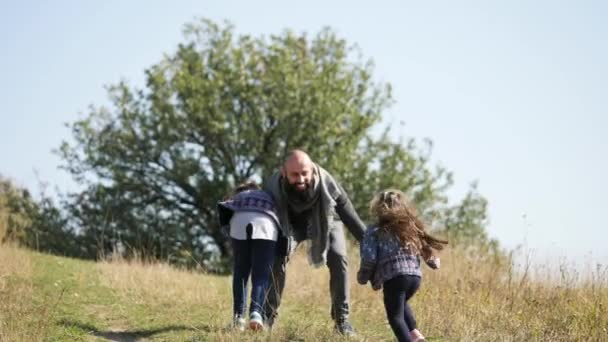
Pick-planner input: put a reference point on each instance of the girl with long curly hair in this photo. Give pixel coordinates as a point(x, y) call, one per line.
point(390, 258)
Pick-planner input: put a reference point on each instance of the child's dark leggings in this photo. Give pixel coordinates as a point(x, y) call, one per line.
point(397, 291)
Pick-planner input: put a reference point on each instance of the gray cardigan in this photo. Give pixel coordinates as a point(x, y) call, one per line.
point(334, 200)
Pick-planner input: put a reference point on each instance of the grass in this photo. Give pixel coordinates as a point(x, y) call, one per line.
point(473, 298)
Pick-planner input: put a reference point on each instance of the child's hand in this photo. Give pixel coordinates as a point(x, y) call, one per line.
point(433, 262)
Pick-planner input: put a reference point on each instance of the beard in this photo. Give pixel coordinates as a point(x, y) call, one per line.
point(303, 196)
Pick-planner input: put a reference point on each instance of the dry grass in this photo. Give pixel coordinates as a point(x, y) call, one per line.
point(167, 285)
point(472, 298)
point(480, 298)
point(17, 319)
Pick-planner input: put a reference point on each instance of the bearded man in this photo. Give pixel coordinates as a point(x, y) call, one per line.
point(310, 205)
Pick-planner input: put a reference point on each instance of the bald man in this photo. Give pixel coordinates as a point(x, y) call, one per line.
point(311, 204)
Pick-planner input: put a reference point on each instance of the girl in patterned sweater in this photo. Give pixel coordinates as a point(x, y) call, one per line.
point(390, 258)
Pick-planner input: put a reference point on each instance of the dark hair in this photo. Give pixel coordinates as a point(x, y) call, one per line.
point(247, 185)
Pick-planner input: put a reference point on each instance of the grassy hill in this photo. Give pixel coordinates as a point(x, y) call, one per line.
point(472, 298)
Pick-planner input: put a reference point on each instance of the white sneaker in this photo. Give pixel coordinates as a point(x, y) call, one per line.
point(255, 321)
point(238, 323)
point(344, 327)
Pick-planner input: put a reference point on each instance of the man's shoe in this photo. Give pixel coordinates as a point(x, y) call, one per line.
point(255, 321)
point(344, 327)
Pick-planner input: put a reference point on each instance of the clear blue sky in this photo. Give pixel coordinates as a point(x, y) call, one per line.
point(512, 93)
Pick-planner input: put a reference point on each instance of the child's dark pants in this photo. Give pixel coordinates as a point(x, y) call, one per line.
point(253, 256)
point(397, 291)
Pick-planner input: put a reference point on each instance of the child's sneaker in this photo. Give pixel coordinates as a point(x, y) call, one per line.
point(255, 321)
point(238, 323)
point(417, 336)
point(344, 327)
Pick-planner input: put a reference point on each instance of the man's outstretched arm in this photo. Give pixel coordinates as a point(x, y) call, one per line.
point(349, 216)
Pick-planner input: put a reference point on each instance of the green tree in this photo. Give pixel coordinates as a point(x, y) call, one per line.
point(37, 224)
point(17, 209)
point(224, 108)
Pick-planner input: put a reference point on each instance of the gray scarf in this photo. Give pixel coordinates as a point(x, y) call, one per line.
point(321, 207)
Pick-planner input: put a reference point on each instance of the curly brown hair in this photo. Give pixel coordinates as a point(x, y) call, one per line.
point(397, 216)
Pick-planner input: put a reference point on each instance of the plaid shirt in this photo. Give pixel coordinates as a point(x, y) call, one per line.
point(383, 258)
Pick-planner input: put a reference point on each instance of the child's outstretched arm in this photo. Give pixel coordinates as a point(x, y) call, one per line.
point(368, 252)
point(429, 244)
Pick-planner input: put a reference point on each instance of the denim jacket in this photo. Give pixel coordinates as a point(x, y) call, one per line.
point(383, 258)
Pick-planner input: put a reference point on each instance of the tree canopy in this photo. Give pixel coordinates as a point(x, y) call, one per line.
point(224, 108)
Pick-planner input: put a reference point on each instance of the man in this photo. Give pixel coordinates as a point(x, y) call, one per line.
point(310, 204)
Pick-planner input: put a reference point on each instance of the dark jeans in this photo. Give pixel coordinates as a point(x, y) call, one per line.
point(397, 291)
point(253, 257)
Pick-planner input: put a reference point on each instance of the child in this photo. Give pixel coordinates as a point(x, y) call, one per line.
point(390, 259)
point(254, 228)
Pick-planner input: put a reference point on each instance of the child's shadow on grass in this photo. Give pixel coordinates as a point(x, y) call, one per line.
point(131, 335)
